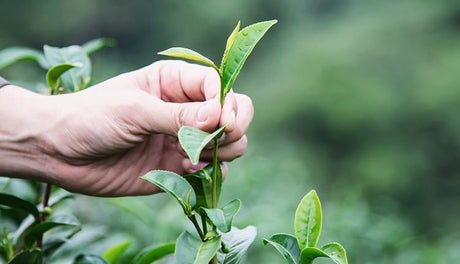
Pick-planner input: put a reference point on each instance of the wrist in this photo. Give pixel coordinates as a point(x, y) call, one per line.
point(24, 121)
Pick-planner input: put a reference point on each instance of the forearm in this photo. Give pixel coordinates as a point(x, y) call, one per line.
point(23, 117)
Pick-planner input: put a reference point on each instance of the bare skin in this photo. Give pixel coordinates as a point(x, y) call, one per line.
point(99, 141)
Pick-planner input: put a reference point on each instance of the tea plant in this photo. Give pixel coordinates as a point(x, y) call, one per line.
point(216, 241)
point(301, 248)
point(68, 70)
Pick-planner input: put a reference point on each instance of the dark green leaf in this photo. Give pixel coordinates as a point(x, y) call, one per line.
point(89, 259)
point(94, 45)
point(223, 218)
point(309, 254)
point(287, 246)
point(74, 79)
point(174, 185)
point(243, 45)
point(188, 54)
point(59, 196)
point(112, 254)
point(12, 55)
point(238, 241)
point(53, 74)
point(28, 257)
point(307, 221)
point(38, 230)
point(152, 254)
point(18, 203)
point(53, 244)
point(194, 140)
point(201, 183)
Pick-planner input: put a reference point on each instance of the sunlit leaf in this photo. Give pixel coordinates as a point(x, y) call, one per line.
point(238, 241)
point(194, 140)
point(28, 257)
point(223, 218)
point(307, 223)
point(336, 252)
point(94, 45)
point(53, 74)
point(188, 54)
point(175, 185)
point(89, 259)
point(18, 203)
point(112, 254)
point(287, 246)
point(333, 250)
point(230, 41)
point(153, 254)
point(12, 55)
point(242, 46)
point(75, 78)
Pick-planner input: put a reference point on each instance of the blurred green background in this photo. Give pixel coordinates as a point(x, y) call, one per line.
point(357, 99)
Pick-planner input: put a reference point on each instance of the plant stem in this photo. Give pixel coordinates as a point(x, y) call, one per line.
point(46, 197)
point(215, 163)
point(197, 226)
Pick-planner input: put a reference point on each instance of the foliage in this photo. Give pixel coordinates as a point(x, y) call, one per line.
point(206, 183)
point(68, 70)
point(301, 248)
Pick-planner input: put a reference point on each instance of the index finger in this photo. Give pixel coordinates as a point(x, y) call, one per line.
point(179, 81)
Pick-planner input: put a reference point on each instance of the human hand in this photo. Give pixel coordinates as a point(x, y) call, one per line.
point(99, 141)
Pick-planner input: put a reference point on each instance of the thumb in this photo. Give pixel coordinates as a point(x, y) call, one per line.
point(168, 117)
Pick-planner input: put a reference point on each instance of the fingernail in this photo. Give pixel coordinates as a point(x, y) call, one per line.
point(202, 115)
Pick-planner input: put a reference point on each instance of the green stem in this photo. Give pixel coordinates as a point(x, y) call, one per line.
point(203, 223)
point(197, 226)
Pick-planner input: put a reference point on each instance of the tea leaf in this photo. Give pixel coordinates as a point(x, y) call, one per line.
point(309, 254)
point(333, 250)
point(230, 41)
point(28, 257)
point(89, 259)
point(153, 254)
point(207, 250)
point(188, 54)
point(287, 246)
point(74, 79)
point(201, 183)
point(223, 218)
point(53, 74)
point(307, 221)
point(238, 241)
point(175, 185)
point(191, 250)
point(336, 252)
point(18, 203)
point(243, 45)
point(13, 55)
point(94, 45)
point(194, 140)
point(112, 254)
point(52, 244)
point(38, 230)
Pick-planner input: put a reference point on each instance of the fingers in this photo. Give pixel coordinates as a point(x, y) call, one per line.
point(168, 118)
point(237, 115)
point(190, 168)
point(179, 81)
